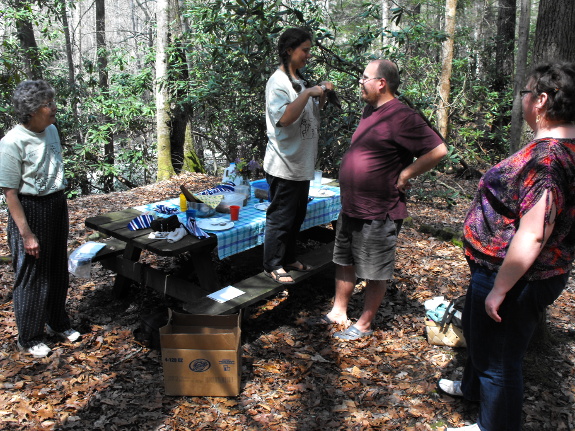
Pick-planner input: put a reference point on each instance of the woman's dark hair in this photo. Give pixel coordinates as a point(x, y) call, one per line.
point(558, 81)
point(29, 96)
point(292, 38)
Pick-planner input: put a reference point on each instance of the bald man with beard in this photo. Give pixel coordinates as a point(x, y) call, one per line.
point(391, 145)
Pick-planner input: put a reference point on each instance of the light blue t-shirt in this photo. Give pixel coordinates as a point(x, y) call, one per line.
point(32, 162)
point(291, 152)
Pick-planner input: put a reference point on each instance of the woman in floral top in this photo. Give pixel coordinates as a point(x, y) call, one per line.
point(519, 240)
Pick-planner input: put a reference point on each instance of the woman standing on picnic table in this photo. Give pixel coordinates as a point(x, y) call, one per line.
point(292, 118)
point(519, 239)
point(32, 178)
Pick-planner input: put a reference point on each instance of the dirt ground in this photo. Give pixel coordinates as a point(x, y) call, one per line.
point(294, 376)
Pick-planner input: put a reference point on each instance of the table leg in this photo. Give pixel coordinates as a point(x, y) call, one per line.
point(205, 270)
point(122, 284)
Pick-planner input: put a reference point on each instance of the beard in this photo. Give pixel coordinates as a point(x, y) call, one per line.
point(369, 98)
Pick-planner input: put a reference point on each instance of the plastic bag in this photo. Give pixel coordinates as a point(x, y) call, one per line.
point(80, 260)
point(443, 322)
point(443, 312)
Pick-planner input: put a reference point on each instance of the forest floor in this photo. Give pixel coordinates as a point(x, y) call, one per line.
point(294, 377)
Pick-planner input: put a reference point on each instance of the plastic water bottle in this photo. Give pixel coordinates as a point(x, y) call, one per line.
point(229, 173)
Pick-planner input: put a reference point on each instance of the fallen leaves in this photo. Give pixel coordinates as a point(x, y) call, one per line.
point(295, 377)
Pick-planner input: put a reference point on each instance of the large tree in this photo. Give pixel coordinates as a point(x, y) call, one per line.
point(165, 167)
point(504, 44)
point(554, 41)
point(69, 55)
point(102, 56)
point(554, 34)
point(446, 67)
point(519, 79)
point(25, 31)
point(504, 59)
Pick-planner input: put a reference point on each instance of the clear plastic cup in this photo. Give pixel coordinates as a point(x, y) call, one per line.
point(317, 178)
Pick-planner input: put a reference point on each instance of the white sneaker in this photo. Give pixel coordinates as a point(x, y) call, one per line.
point(39, 350)
point(70, 335)
point(450, 387)
point(473, 427)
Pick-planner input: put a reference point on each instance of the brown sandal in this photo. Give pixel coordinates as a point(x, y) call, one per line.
point(275, 275)
point(304, 267)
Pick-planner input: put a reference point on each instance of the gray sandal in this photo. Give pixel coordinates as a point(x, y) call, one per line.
point(352, 333)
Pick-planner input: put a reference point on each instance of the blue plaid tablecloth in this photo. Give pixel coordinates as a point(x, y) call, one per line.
point(249, 230)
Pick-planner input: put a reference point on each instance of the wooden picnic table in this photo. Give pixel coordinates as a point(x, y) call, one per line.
point(122, 255)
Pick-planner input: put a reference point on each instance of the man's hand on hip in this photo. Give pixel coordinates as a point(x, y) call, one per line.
point(403, 184)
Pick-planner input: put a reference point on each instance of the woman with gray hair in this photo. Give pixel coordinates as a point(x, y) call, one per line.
point(32, 178)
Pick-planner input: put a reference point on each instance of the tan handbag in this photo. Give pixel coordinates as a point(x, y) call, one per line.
point(448, 335)
point(448, 332)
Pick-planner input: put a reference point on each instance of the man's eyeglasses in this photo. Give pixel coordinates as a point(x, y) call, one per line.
point(364, 80)
point(524, 92)
point(50, 105)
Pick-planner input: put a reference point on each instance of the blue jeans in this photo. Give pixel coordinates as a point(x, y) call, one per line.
point(493, 373)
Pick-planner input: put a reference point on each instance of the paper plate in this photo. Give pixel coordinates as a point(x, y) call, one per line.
point(263, 206)
point(214, 224)
point(321, 193)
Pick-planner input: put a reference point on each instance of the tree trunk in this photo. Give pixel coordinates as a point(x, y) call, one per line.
point(192, 162)
point(184, 157)
point(102, 56)
point(387, 23)
point(184, 32)
point(554, 35)
point(69, 58)
point(504, 44)
point(554, 41)
point(503, 74)
point(165, 167)
point(25, 31)
point(179, 111)
point(446, 60)
point(520, 73)
point(70, 61)
point(482, 57)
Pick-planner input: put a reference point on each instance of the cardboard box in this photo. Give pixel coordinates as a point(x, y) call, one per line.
point(201, 355)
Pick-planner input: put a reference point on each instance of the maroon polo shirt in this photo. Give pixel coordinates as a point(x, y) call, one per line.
point(386, 141)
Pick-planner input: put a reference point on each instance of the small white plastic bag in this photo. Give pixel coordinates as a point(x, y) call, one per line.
point(80, 260)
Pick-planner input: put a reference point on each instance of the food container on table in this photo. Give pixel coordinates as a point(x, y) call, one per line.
point(202, 210)
point(230, 199)
point(261, 189)
point(244, 190)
